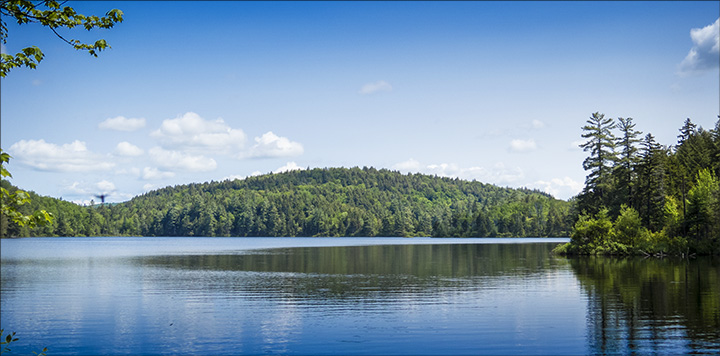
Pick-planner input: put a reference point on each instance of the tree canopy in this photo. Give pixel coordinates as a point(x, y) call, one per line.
point(317, 202)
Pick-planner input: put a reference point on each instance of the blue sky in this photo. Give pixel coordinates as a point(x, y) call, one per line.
point(492, 91)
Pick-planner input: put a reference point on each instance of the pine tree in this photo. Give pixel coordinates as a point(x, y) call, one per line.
point(652, 183)
point(625, 170)
point(688, 129)
point(601, 144)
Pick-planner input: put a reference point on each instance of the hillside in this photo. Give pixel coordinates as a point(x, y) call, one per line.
point(316, 202)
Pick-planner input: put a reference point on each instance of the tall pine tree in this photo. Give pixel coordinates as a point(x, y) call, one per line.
point(652, 183)
point(601, 145)
point(625, 170)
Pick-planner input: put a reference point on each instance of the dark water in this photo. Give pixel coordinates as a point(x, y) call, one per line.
point(375, 296)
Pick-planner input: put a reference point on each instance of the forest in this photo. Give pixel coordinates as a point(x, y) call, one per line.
point(645, 198)
point(312, 202)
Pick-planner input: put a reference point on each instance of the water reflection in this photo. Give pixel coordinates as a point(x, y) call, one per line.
point(381, 299)
point(651, 305)
point(360, 270)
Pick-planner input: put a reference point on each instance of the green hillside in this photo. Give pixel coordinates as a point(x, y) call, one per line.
point(316, 202)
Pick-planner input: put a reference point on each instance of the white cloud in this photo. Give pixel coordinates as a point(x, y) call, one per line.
point(562, 188)
point(705, 53)
point(133, 171)
point(122, 123)
point(258, 173)
point(105, 186)
point(410, 165)
point(175, 160)
point(522, 145)
point(77, 188)
point(84, 188)
point(498, 174)
point(375, 87)
point(154, 173)
point(537, 124)
point(290, 166)
point(271, 145)
point(128, 149)
point(192, 132)
point(148, 186)
point(71, 157)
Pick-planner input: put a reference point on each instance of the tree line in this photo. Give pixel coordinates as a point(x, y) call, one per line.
point(314, 202)
point(644, 197)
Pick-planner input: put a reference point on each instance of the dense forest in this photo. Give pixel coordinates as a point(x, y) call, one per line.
point(313, 202)
point(641, 197)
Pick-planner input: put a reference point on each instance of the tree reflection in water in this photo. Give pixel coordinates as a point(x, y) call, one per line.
point(651, 305)
point(634, 305)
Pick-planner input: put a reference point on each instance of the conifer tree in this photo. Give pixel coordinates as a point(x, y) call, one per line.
point(626, 163)
point(652, 182)
point(601, 144)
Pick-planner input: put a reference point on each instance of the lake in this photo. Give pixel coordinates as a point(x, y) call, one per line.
point(419, 296)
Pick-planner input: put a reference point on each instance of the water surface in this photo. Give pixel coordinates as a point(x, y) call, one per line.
point(348, 296)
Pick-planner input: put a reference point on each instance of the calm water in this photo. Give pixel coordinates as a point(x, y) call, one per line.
point(349, 296)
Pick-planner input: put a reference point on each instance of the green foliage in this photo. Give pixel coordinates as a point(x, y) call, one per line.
point(12, 200)
point(6, 341)
point(662, 200)
point(628, 228)
point(591, 232)
point(53, 15)
point(318, 202)
point(10, 338)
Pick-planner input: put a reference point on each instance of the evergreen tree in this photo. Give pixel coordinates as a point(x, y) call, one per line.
point(627, 162)
point(601, 144)
point(652, 183)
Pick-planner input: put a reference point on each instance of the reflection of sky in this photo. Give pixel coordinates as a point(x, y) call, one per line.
point(98, 305)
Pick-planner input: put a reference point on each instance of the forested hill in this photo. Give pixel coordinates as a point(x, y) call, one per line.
point(317, 202)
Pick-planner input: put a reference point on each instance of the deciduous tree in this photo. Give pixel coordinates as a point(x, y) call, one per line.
point(54, 16)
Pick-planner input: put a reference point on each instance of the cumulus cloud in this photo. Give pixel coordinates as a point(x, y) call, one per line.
point(522, 145)
point(154, 173)
point(85, 188)
point(192, 132)
point(705, 52)
point(77, 188)
point(562, 188)
point(175, 160)
point(375, 87)
point(105, 186)
point(410, 165)
point(127, 149)
point(290, 166)
point(498, 174)
point(122, 123)
point(271, 145)
point(71, 157)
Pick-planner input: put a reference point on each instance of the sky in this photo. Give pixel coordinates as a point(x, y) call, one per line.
point(490, 91)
